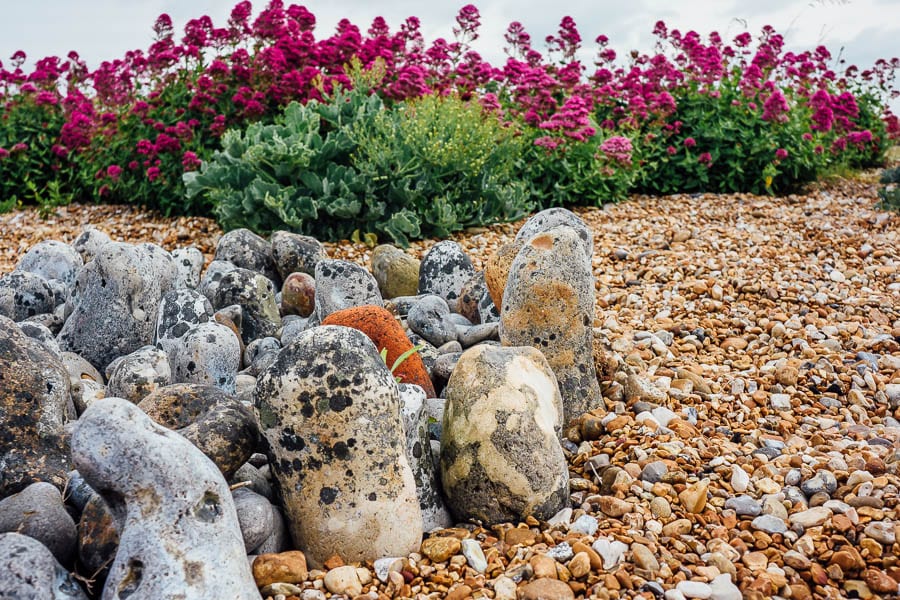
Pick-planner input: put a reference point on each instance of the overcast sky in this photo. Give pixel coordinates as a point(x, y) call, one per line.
point(105, 29)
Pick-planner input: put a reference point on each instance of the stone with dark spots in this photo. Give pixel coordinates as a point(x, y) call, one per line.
point(396, 272)
point(139, 373)
point(52, 259)
point(216, 270)
point(418, 451)
point(189, 264)
point(298, 295)
point(98, 538)
point(245, 249)
point(501, 459)
point(430, 318)
point(387, 334)
point(216, 423)
point(29, 570)
point(259, 354)
point(470, 298)
point(38, 512)
point(295, 253)
point(548, 303)
point(554, 217)
point(255, 295)
point(180, 535)
point(26, 295)
point(444, 271)
point(120, 289)
point(210, 354)
point(330, 412)
point(179, 310)
point(34, 395)
point(89, 242)
point(42, 334)
point(341, 284)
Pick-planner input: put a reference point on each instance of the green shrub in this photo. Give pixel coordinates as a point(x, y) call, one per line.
point(890, 198)
point(443, 163)
point(890, 175)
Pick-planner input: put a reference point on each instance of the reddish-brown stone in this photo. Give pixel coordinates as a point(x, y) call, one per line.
point(383, 329)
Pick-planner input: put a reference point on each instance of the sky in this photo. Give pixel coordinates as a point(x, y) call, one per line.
point(861, 30)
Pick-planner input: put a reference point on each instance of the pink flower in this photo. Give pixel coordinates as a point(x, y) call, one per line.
point(690, 142)
point(19, 147)
point(113, 172)
point(190, 162)
point(781, 154)
point(705, 159)
point(153, 173)
point(671, 150)
point(618, 149)
point(4, 152)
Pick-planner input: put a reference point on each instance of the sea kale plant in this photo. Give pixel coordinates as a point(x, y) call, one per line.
point(698, 113)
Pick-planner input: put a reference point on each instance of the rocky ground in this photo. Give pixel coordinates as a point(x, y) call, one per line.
point(765, 458)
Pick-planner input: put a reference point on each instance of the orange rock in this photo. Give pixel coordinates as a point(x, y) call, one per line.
point(381, 327)
point(286, 567)
point(496, 270)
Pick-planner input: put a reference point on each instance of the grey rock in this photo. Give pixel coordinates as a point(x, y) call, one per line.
point(445, 269)
point(294, 253)
point(42, 334)
point(258, 483)
point(256, 517)
point(396, 272)
point(89, 242)
point(27, 294)
point(430, 318)
point(769, 524)
point(744, 506)
point(29, 570)
point(341, 284)
point(38, 512)
point(548, 303)
point(550, 218)
point(280, 539)
point(180, 534)
point(209, 353)
point(139, 373)
point(255, 295)
point(445, 364)
point(821, 482)
point(78, 492)
point(292, 329)
point(479, 333)
point(654, 471)
point(121, 288)
point(330, 412)
point(52, 260)
point(216, 270)
point(418, 452)
point(246, 250)
point(451, 347)
point(34, 396)
point(188, 264)
point(178, 311)
point(260, 353)
point(500, 454)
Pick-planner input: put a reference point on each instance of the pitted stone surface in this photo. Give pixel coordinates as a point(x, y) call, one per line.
point(180, 536)
point(554, 217)
point(548, 303)
point(496, 270)
point(29, 570)
point(418, 451)
point(189, 264)
point(89, 242)
point(216, 423)
point(24, 294)
point(121, 288)
point(34, 394)
point(245, 249)
point(255, 295)
point(295, 253)
point(38, 512)
point(330, 412)
point(209, 353)
point(501, 459)
point(341, 284)
point(139, 373)
point(444, 271)
point(52, 260)
point(396, 272)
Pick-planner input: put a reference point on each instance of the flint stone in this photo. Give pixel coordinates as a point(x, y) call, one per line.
point(52, 260)
point(34, 396)
point(551, 218)
point(38, 512)
point(445, 269)
point(341, 284)
point(115, 301)
point(500, 454)
point(29, 570)
point(418, 450)
point(298, 295)
point(396, 272)
point(470, 297)
point(255, 295)
point(256, 517)
point(98, 537)
point(188, 264)
point(179, 310)
point(39, 332)
point(25, 295)
point(430, 318)
point(209, 283)
point(330, 412)
point(216, 423)
point(89, 242)
point(180, 535)
point(141, 372)
point(246, 250)
point(294, 253)
point(548, 303)
point(209, 353)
